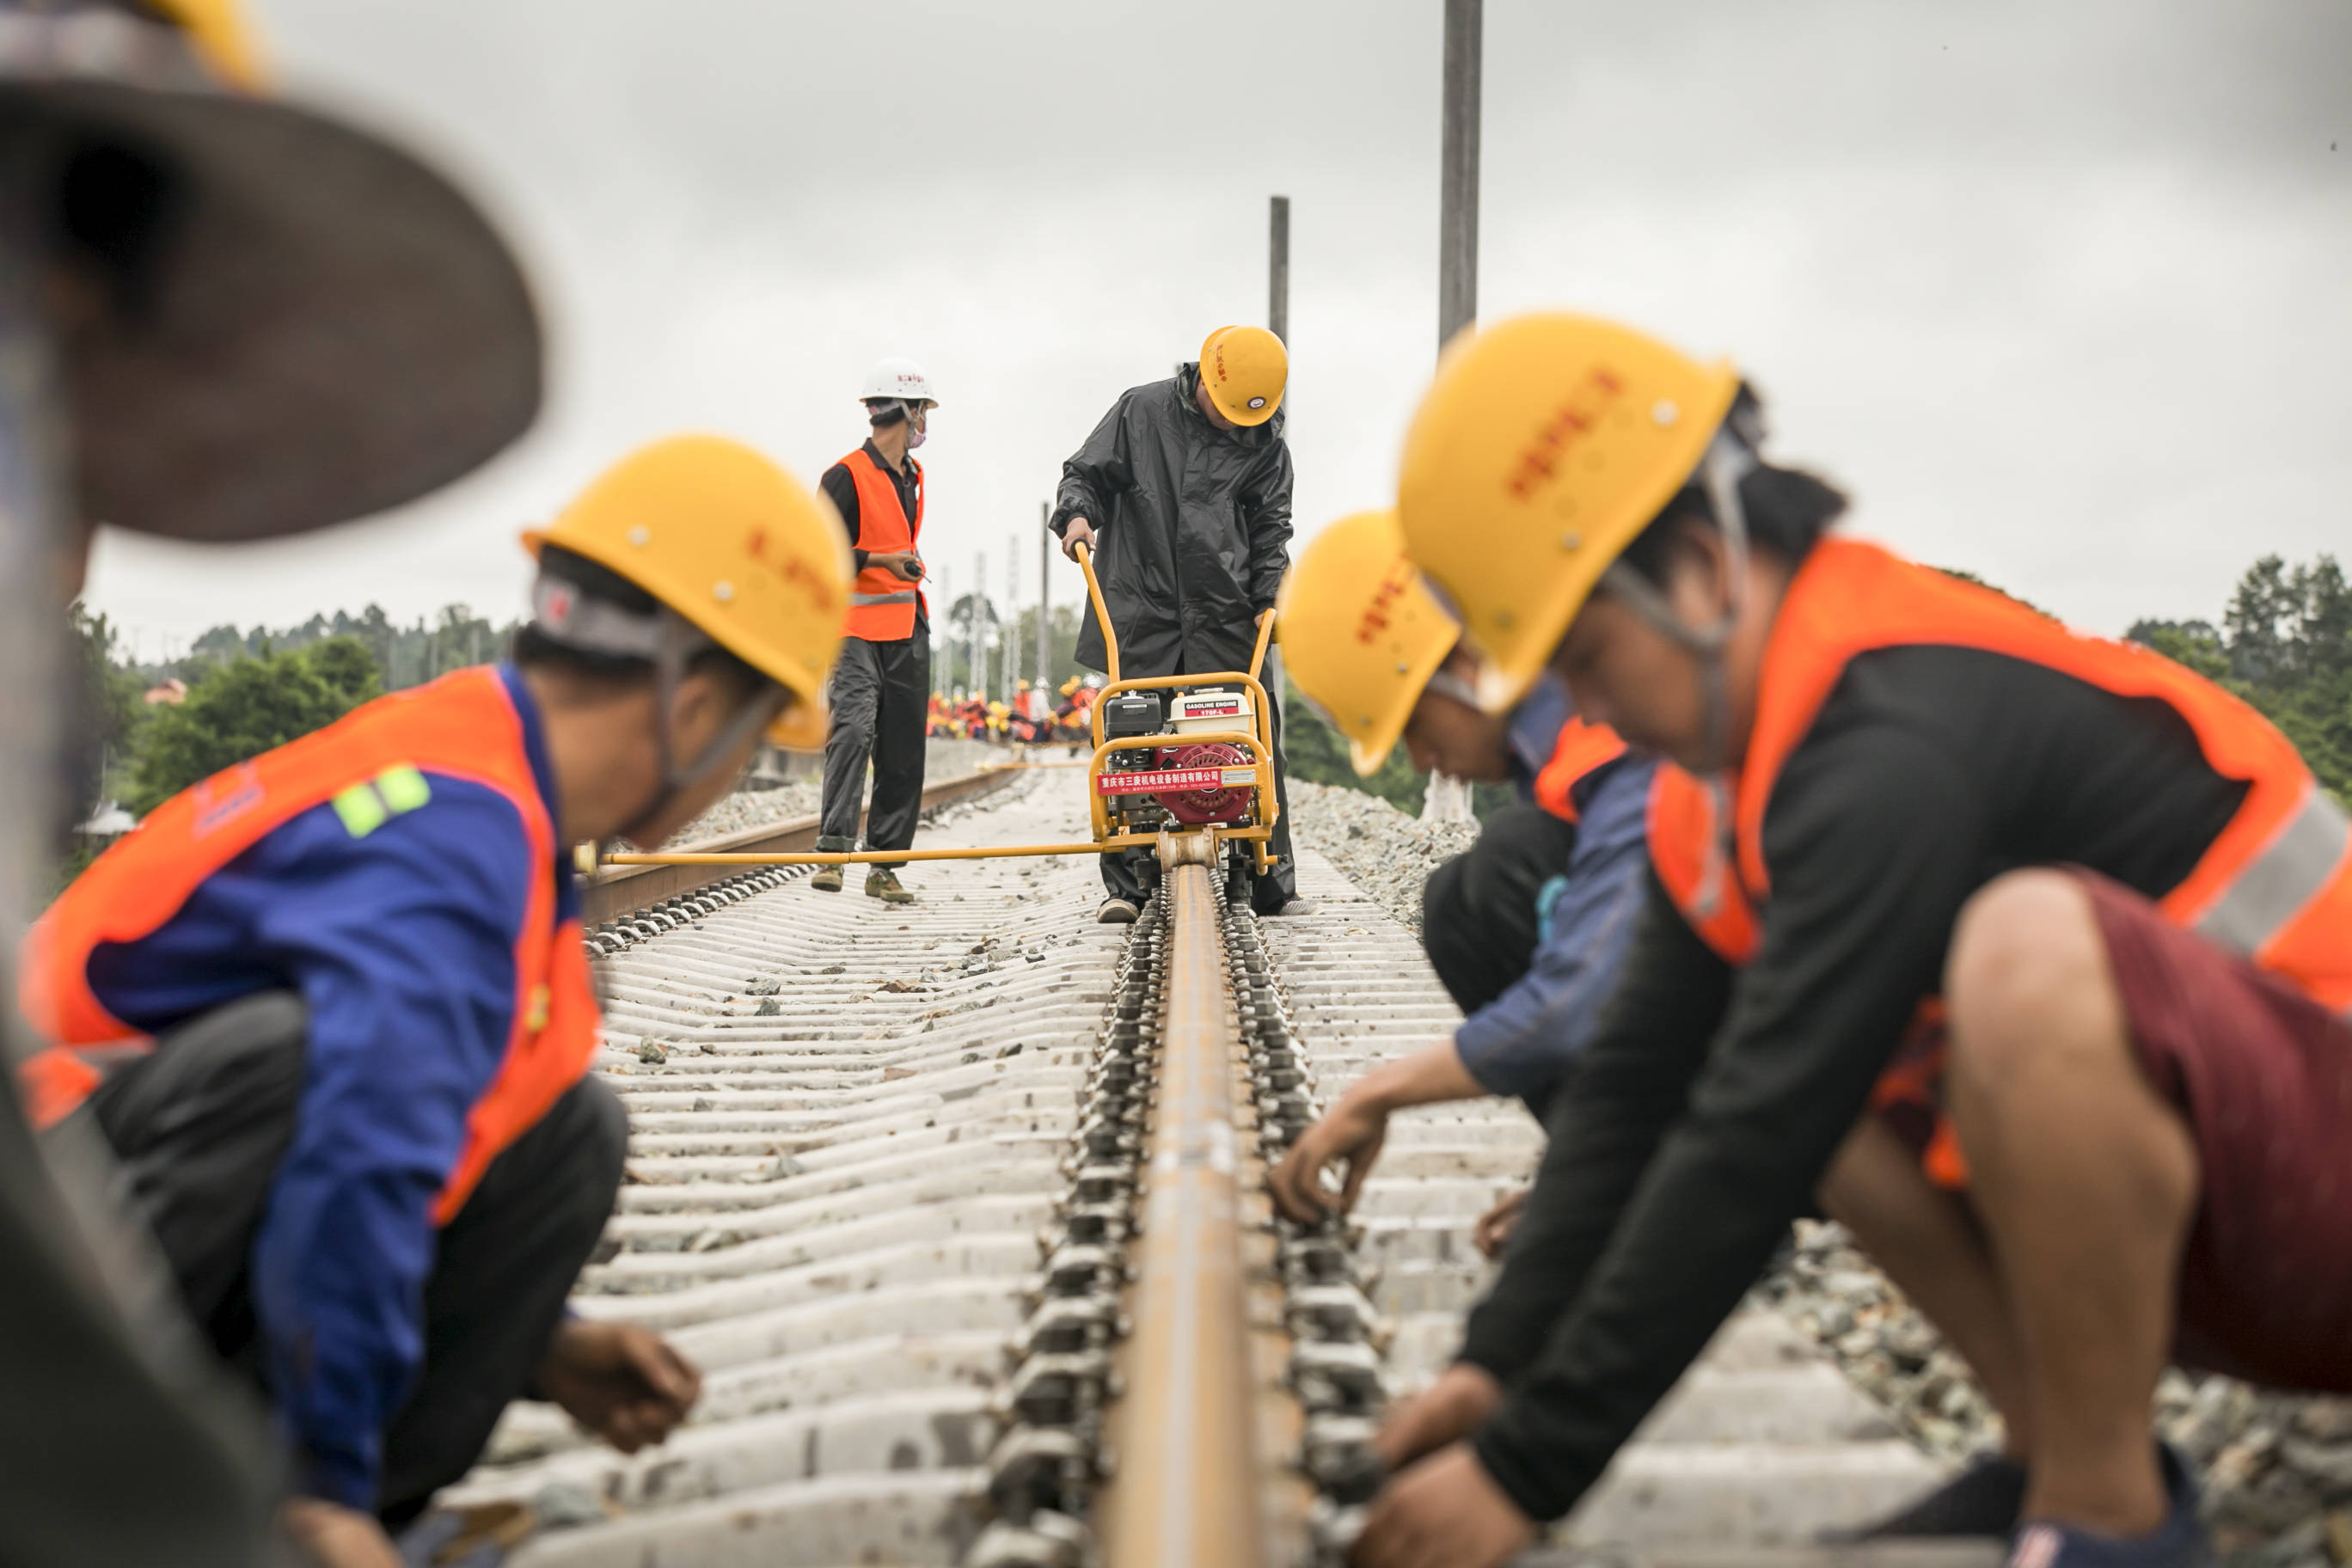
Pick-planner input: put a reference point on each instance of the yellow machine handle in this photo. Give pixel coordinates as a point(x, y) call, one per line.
point(1265, 635)
point(1085, 556)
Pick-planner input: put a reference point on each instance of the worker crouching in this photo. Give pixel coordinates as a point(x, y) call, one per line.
point(1527, 928)
point(332, 1012)
point(2029, 953)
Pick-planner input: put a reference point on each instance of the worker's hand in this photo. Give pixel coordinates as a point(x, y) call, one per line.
point(903, 565)
point(1445, 1412)
point(1444, 1512)
point(1349, 1133)
point(1494, 1227)
point(1075, 532)
point(329, 1535)
point(623, 1383)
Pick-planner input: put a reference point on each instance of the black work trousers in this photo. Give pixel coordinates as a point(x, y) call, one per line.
point(1479, 918)
point(879, 694)
point(199, 1128)
point(1123, 873)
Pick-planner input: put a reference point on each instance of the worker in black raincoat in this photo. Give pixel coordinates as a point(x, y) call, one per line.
point(1184, 494)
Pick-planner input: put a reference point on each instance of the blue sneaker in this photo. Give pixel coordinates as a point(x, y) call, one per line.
point(2179, 1543)
point(1981, 1501)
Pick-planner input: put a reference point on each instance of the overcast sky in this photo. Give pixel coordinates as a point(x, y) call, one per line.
point(2059, 291)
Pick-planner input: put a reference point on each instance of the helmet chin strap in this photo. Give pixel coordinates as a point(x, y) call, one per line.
point(1727, 462)
point(680, 643)
point(669, 642)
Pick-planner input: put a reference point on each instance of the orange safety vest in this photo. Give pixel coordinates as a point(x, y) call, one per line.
point(1581, 750)
point(462, 726)
point(2275, 885)
point(881, 603)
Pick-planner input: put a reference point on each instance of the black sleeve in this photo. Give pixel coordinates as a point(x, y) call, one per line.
point(842, 491)
point(1095, 472)
point(1266, 508)
point(1875, 839)
point(1631, 1083)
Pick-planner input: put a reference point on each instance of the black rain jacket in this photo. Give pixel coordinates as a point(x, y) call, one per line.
point(1191, 529)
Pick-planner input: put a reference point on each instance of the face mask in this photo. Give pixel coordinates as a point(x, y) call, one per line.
point(915, 430)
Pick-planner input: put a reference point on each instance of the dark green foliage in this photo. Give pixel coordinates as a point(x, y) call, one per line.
point(243, 708)
point(2286, 645)
point(111, 708)
point(1972, 577)
point(1315, 752)
point(402, 655)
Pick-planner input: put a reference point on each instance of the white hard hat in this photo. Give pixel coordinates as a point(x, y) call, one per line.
point(899, 378)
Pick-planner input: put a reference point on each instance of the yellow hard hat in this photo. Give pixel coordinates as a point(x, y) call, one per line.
point(1544, 445)
point(1244, 369)
point(218, 30)
point(1361, 634)
point(735, 546)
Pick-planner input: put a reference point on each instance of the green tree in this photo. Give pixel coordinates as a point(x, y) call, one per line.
point(1312, 750)
point(242, 709)
point(348, 669)
point(2286, 645)
point(111, 708)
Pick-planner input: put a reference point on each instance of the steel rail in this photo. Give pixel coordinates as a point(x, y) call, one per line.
point(624, 886)
point(1189, 1432)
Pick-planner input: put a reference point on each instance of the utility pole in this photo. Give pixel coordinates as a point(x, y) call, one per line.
point(943, 637)
point(975, 665)
point(1457, 208)
point(1448, 799)
point(1277, 268)
point(1007, 681)
point(1045, 596)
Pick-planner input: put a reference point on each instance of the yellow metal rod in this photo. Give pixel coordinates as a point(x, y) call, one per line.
point(1086, 559)
point(870, 856)
point(1265, 635)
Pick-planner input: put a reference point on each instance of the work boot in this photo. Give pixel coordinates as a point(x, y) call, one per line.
point(828, 877)
point(1115, 912)
point(2180, 1542)
point(1981, 1501)
point(883, 883)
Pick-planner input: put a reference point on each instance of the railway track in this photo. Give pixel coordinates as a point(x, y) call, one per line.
point(958, 1206)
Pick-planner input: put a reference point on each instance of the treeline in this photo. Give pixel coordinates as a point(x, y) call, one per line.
point(250, 690)
point(2284, 644)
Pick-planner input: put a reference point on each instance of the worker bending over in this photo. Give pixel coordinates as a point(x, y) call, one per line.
point(347, 1011)
point(2030, 951)
point(382, 343)
point(1183, 493)
point(1527, 928)
point(883, 682)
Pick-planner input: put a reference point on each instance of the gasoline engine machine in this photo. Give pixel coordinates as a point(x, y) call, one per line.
point(1183, 766)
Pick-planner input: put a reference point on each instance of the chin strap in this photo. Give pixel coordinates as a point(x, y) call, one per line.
point(670, 643)
point(1728, 460)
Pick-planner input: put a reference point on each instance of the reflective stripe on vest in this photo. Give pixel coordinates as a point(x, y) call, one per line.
point(881, 605)
point(463, 726)
point(1581, 750)
point(1692, 855)
point(2275, 885)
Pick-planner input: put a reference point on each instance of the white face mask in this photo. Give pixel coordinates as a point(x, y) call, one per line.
point(918, 423)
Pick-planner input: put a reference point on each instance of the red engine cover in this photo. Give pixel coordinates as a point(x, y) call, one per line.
point(1204, 806)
